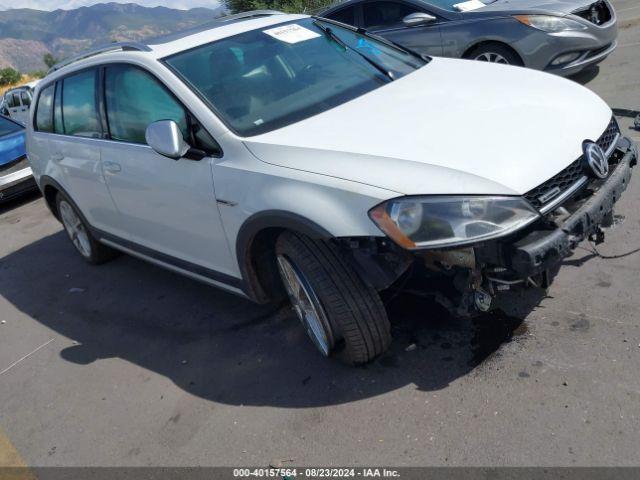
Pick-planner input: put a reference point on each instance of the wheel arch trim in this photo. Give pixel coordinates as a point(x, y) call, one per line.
point(477, 42)
point(47, 181)
point(260, 222)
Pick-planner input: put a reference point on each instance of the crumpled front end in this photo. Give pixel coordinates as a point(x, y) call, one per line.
point(574, 205)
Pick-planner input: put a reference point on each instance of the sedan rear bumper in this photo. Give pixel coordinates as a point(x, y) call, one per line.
point(16, 180)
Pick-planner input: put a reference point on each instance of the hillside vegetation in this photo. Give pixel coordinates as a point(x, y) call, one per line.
point(22, 81)
point(26, 35)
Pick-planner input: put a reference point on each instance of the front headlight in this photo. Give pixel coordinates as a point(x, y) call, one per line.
point(550, 24)
point(434, 221)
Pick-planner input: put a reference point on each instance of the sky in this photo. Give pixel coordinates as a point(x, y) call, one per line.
point(71, 4)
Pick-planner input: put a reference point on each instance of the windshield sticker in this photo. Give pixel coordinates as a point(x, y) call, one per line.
point(292, 33)
point(469, 6)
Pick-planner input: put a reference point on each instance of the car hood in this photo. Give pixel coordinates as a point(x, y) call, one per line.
point(547, 6)
point(451, 127)
point(11, 147)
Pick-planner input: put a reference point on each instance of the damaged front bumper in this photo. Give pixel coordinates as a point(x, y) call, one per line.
point(541, 249)
point(465, 280)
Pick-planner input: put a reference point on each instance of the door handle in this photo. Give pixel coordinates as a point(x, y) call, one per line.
point(57, 157)
point(111, 167)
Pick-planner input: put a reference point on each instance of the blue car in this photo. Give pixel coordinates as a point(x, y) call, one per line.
point(15, 172)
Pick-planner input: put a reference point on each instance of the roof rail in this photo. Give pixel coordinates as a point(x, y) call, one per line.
point(124, 46)
point(249, 14)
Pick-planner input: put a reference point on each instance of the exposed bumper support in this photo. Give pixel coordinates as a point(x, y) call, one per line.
point(540, 250)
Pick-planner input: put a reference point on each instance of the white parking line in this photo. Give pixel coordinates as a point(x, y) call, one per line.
point(25, 357)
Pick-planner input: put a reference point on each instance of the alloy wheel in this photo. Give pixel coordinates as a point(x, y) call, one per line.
point(492, 58)
point(75, 229)
point(306, 305)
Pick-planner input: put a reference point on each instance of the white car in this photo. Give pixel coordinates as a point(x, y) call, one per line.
point(274, 153)
point(16, 103)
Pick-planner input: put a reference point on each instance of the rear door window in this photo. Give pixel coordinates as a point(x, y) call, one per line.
point(79, 111)
point(384, 15)
point(44, 111)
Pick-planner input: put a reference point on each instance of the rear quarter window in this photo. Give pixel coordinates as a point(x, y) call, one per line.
point(44, 110)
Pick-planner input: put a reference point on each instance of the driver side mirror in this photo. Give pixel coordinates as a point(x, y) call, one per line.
point(417, 19)
point(165, 137)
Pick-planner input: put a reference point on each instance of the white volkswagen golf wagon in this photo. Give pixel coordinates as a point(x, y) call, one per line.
point(273, 154)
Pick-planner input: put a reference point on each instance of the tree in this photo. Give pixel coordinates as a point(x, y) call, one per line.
point(289, 6)
point(49, 60)
point(9, 76)
point(38, 74)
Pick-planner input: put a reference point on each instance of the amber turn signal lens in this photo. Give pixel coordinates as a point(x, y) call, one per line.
point(381, 218)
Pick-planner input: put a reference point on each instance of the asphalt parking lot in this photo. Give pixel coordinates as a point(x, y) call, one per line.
point(127, 364)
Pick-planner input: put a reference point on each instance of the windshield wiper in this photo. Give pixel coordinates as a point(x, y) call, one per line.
point(391, 43)
point(329, 34)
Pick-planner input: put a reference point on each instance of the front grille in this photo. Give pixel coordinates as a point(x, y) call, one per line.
point(570, 175)
point(597, 13)
point(562, 181)
point(14, 166)
point(609, 135)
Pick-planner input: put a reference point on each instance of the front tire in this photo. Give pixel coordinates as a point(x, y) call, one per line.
point(79, 233)
point(343, 315)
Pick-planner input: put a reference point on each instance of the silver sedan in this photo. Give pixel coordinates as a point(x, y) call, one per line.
point(558, 36)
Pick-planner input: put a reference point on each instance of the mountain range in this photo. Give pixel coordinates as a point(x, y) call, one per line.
point(72, 4)
point(26, 35)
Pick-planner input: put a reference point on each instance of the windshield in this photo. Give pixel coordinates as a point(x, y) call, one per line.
point(265, 79)
point(7, 127)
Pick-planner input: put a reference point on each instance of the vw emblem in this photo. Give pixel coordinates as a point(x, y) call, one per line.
point(596, 159)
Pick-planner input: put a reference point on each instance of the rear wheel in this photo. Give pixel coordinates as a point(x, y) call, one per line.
point(340, 312)
point(78, 231)
point(495, 53)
